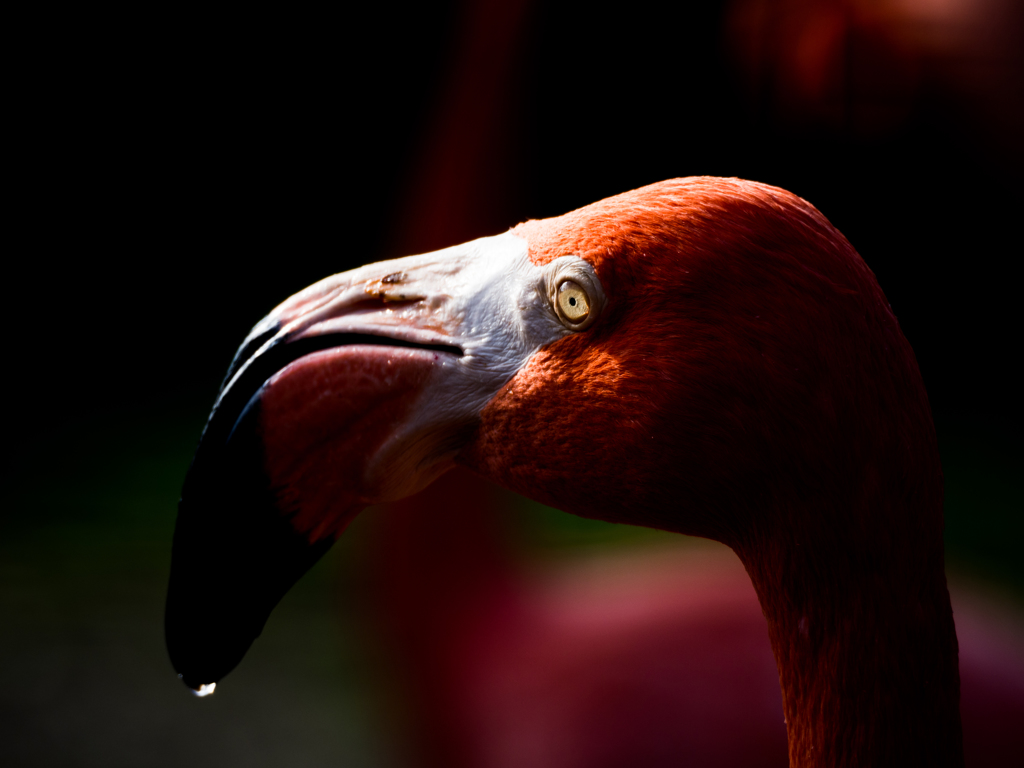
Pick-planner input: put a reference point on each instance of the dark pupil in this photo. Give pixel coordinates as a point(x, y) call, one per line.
point(572, 301)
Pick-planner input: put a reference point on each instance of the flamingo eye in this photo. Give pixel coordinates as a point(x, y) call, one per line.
point(574, 292)
point(573, 303)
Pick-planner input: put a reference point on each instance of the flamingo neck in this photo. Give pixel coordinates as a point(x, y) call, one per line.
point(866, 649)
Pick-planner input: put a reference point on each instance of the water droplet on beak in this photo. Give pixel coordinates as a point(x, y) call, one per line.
point(203, 690)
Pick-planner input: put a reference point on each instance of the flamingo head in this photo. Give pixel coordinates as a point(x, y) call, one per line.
point(681, 356)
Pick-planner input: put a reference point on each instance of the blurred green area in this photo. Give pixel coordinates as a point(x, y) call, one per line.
point(984, 505)
point(84, 557)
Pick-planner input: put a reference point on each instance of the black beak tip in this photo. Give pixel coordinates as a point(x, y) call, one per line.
point(234, 557)
point(210, 620)
point(217, 606)
point(235, 553)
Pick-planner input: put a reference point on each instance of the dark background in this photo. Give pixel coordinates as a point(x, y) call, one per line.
point(180, 176)
point(175, 175)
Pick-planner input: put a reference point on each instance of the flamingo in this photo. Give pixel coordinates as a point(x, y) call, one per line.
point(706, 356)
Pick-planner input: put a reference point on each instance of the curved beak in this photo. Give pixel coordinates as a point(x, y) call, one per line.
point(362, 388)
